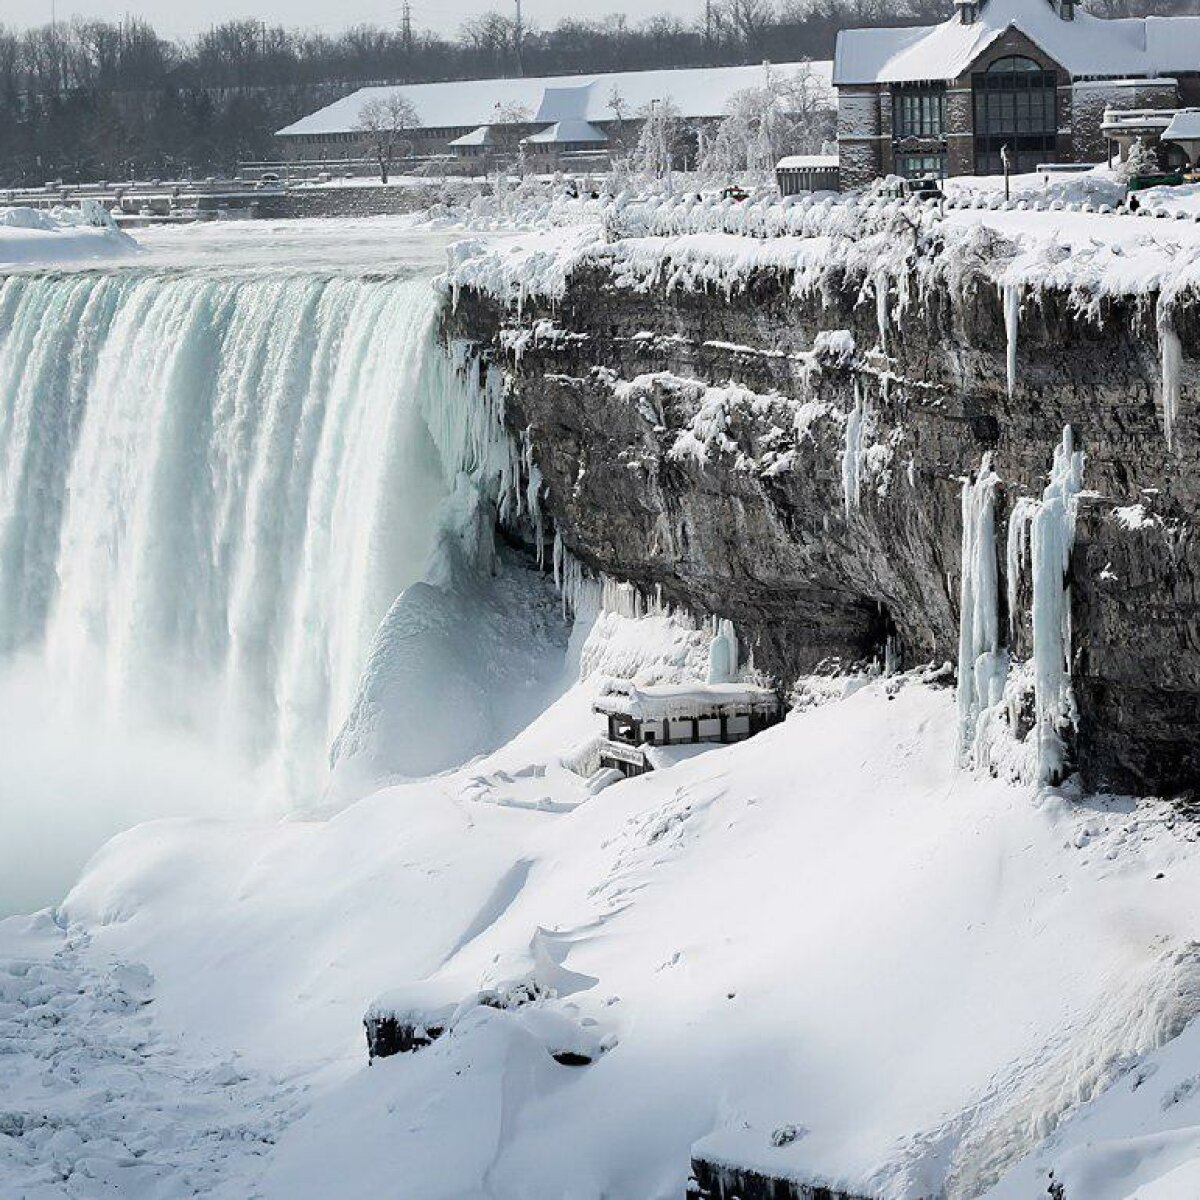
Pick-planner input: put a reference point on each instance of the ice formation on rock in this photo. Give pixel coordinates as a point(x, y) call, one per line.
point(1011, 294)
point(981, 664)
point(723, 653)
point(852, 453)
point(1016, 552)
point(1171, 352)
point(1052, 539)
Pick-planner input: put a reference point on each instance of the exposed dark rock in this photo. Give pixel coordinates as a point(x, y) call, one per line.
point(771, 545)
point(718, 1181)
point(388, 1035)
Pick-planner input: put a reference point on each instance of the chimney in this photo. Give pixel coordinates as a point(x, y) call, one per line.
point(968, 11)
point(1065, 9)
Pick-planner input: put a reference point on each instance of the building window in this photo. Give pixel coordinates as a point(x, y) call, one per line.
point(919, 111)
point(921, 166)
point(1016, 105)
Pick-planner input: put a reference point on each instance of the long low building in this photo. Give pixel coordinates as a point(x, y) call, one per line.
point(1035, 76)
point(558, 113)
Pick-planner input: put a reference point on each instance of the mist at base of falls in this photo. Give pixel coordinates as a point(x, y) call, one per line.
point(213, 489)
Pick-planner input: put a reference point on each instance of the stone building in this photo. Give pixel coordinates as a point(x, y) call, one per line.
point(1036, 76)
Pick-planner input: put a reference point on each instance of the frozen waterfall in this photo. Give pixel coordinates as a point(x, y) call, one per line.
point(212, 489)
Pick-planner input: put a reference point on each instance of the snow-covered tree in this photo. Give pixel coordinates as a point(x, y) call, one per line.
point(660, 142)
point(383, 123)
point(507, 125)
point(1141, 160)
point(788, 113)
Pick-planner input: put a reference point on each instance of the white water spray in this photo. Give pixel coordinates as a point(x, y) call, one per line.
point(213, 488)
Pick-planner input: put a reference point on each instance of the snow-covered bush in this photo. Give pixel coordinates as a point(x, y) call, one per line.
point(1141, 160)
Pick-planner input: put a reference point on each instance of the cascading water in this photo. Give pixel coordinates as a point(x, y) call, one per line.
point(213, 487)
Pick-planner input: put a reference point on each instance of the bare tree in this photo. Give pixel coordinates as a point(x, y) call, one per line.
point(383, 121)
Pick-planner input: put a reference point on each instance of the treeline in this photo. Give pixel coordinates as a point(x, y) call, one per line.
point(95, 99)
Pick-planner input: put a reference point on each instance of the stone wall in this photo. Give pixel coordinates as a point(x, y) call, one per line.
point(346, 201)
point(1092, 97)
point(760, 530)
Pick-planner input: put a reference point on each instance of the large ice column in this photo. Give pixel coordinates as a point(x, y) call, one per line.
point(1011, 295)
point(852, 452)
point(981, 664)
point(1052, 539)
point(723, 653)
point(1171, 354)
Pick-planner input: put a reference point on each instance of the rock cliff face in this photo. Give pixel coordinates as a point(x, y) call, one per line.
point(739, 452)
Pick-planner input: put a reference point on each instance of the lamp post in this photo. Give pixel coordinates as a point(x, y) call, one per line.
point(1006, 163)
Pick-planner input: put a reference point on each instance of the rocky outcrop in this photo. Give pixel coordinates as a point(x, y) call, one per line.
point(735, 450)
point(711, 1180)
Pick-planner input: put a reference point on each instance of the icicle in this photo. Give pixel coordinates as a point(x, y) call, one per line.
point(981, 666)
point(1012, 318)
point(1053, 537)
point(892, 655)
point(1172, 362)
point(1017, 551)
point(852, 453)
point(559, 551)
point(881, 309)
point(533, 495)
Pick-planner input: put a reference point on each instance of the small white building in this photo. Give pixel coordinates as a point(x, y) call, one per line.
point(799, 173)
point(643, 719)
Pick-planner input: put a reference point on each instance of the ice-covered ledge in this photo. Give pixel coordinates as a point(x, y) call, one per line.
point(694, 431)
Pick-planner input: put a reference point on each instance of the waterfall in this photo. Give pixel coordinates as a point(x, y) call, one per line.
point(212, 488)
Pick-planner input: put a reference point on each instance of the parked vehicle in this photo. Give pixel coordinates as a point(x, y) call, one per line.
point(927, 188)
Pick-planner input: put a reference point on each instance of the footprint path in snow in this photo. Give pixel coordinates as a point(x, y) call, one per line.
point(97, 1101)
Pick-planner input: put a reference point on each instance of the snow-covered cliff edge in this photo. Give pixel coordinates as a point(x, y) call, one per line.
point(778, 431)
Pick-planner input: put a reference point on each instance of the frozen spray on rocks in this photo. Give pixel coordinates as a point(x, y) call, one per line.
point(1043, 530)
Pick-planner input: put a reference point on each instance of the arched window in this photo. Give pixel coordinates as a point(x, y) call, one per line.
point(1016, 105)
point(1014, 62)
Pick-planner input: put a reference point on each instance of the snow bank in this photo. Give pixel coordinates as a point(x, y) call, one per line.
point(751, 933)
point(29, 237)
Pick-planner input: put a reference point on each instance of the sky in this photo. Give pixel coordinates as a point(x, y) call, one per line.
point(177, 19)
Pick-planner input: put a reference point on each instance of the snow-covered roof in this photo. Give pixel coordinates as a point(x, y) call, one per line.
point(809, 162)
point(684, 701)
point(1184, 126)
point(482, 136)
point(1087, 46)
point(562, 132)
point(697, 92)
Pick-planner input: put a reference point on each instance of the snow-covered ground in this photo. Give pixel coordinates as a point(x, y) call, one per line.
point(28, 236)
point(828, 928)
point(827, 953)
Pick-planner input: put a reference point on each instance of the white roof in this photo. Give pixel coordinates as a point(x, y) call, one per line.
point(811, 162)
point(1184, 126)
point(482, 136)
point(1087, 46)
point(568, 131)
point(683, 701)
point(696, 92)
